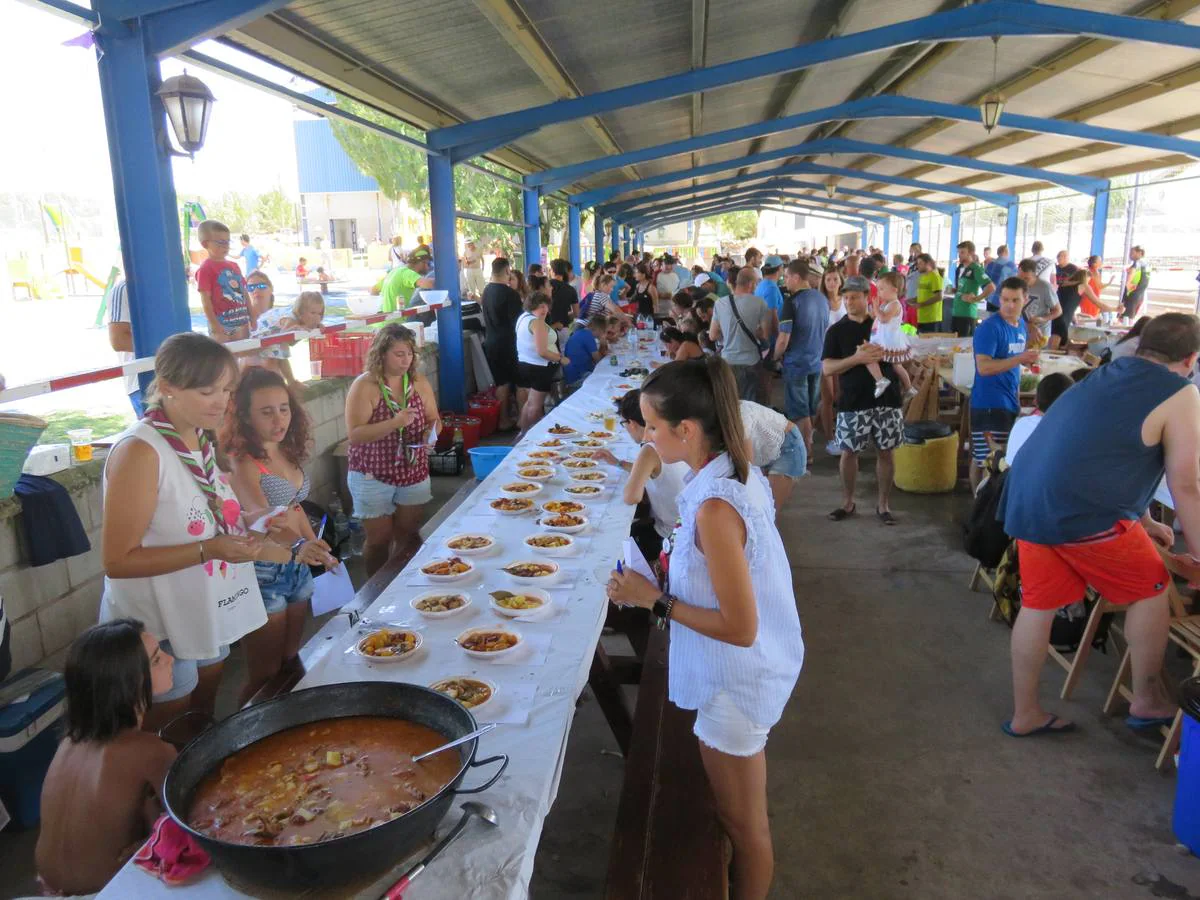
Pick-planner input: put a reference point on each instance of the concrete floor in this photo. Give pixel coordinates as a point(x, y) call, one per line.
point(889, 776)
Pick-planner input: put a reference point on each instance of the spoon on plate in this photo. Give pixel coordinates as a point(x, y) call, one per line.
point(454, 743)
point(471, 809)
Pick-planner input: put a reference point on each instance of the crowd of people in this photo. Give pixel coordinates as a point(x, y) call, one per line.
point(209, 543)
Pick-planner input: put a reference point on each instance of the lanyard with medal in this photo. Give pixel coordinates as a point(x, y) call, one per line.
point(404, 452)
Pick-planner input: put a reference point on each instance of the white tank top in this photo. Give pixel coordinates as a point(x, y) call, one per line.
point(663, 492)
point(526, 346)
point(203, 607)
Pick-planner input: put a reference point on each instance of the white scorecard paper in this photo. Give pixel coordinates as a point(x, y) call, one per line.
point(331, 590)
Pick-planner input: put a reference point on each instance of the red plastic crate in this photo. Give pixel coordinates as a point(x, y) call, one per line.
point(341, 353)
point(470, 429)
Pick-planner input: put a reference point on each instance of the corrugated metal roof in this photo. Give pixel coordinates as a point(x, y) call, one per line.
point(451, 56)
point(322, 164)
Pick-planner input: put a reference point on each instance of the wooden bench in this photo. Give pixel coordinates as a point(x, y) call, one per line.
point(668, 843)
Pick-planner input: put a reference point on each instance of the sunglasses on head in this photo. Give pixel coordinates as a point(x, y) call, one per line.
point(258, 286)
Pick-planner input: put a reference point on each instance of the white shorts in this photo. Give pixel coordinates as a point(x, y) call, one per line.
point(725, 728)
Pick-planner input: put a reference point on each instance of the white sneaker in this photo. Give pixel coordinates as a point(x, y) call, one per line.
point(833, 448)
point(881, 386)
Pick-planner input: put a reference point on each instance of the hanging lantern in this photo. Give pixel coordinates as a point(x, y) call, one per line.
point(830, 189)
point(992, 103)
point(188, 103)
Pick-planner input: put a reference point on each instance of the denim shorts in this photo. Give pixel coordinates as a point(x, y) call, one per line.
point(792, 461)
point(374, 499)
point(283, 583)
point(185, 673)
point(801, 395)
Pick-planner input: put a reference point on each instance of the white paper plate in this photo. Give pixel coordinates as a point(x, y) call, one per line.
point(507, 491)
point(565, 550)
point(543, 473)
point(563, 529)
point(556, 457)
point(590, 476)
point(589, 497)
point(440, 615)
point(446, 579)
point(566, 432)
point(478, 706)
point(536, 579)
point(388, 659)
point(521, 613)
point(490, 654)
point(580, 465)
point(482, 551)
point(513, 512)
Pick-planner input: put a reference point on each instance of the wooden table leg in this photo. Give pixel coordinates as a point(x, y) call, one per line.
point(608, 694)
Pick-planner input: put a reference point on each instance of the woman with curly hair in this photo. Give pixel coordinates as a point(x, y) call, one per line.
point(390, 413)
point(266, 438)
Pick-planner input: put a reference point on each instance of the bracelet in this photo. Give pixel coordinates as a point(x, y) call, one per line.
point(662, 608)
point(202, 559)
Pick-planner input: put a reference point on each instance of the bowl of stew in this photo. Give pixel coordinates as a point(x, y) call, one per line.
point(489, 643)
point(452, 568)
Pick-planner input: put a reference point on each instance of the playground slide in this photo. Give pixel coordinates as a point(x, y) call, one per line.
point(77, 269)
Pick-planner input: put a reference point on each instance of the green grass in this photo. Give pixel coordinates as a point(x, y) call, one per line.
point(102, 425)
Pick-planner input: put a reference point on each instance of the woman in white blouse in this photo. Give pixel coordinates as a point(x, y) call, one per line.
point(736, 647)
point(776, 447)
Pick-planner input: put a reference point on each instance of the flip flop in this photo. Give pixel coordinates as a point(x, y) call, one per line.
point(1048, 728)
point(885, 516)
point(1137, 723)
point(842, 513)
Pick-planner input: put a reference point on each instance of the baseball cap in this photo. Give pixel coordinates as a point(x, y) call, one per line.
point(773, 262)
point(702, 279)
point(420, 253)
point(856, 283)
point(815, 267)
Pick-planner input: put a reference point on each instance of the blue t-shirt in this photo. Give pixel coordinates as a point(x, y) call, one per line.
point(618, 286)
point(996, 338)
point(768, 289)
point(250, 258)
point(998, 270)
point(805, 316)
point(580, 347)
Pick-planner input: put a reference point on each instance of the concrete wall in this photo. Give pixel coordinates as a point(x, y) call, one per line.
point(50, 605)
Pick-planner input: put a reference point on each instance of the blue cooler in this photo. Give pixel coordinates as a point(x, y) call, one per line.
point(1187, 783)
point(32, 704)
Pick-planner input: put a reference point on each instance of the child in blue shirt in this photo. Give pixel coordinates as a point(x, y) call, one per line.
point(584, 349)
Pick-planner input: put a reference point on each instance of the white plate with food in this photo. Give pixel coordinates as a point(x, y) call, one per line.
point(589, 443)
point(453, 568)
point(590, 476)
point(554, 507)
point(578, 464)
point(583, 454)
point(528, 601)
point(521, 489)
point(602, 436)
point(541, 458)
point(470, 544)
point(389, 645)
point(566, 523)
point(551, 544)
point(536, 473)
point(440, 604)
point(512, 506)
point(531, 571)
point(551, 443)
point(489, 643)
point(561, 431)
point(473, 693)
point(584, 492)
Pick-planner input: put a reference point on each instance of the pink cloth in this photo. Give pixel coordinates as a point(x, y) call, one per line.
point(170, 854)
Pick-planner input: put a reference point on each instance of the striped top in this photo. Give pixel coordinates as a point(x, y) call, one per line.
point(758, 678)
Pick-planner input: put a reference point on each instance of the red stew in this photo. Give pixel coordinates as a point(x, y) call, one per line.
point(321, 781)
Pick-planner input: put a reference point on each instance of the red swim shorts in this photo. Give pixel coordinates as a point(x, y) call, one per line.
point(1122, 564)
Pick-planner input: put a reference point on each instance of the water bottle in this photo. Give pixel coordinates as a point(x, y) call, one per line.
point(358, 537)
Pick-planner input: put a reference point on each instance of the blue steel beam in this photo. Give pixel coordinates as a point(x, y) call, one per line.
point(552, 179)
point(978, 21)
point(170, 27)
point(858, 208)
point(889, 106)
point(757, 204)
point(832, 216)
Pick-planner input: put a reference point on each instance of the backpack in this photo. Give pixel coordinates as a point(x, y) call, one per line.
point(984, 538)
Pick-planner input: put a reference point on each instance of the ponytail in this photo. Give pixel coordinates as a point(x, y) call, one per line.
point(705, 392)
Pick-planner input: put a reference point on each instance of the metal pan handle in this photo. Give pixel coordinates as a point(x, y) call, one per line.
point(487, 784)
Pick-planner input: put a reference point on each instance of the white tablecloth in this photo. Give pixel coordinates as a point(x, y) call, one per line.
point(490, 862)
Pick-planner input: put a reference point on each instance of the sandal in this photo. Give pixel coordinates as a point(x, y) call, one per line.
point(842, 513)
point(885, 516)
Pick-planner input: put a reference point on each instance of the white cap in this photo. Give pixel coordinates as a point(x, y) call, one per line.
point(701, 278)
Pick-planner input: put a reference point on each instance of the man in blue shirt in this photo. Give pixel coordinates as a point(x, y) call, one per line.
point(768, 288)
point(998, 271)
point(803, 322)
point(250, 257)
point(584, 349)
point(999, 346)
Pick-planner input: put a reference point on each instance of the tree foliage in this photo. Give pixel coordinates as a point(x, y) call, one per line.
point(737, 226)
point(266, 213)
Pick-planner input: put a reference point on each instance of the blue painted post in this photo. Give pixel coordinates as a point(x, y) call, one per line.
point(573, 237)
point(887, 242)
point(863, 236)
point(598, 225)
point(533, 226)
point(147, 208)
point(951, 265)
point(1099, 222)
point(452, 370)
point(624, 240)
point(916, 233)
point(1010, 229)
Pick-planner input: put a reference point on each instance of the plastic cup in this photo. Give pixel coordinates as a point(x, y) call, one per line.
point(81, 445)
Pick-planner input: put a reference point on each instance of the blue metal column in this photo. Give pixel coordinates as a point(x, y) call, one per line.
point(951, 264)
point(887, 242)
point(573, 237)
point(916, 232)
point(624, 240)
point(1010, 230)
point(147, 208)
point(533, 226)
point(598, 227)
point(863, 236)
point(452, 370)
point(1099, 222)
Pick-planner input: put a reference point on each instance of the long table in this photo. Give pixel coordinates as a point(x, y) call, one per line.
point(489, 862)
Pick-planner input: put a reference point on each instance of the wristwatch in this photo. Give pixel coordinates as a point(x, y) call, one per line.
point(295, 548)
point(662, 608)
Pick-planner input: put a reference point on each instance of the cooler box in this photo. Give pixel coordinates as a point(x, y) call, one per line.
point(29, 735)
point(1186, 820)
